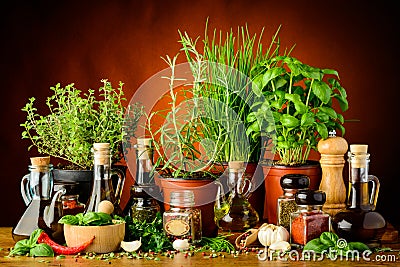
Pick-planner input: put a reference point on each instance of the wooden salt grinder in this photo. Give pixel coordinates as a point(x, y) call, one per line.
point(332, 161)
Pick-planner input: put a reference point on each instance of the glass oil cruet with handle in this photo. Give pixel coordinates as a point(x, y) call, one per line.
point(235, 213)
point(37, 190)
point(359, 221)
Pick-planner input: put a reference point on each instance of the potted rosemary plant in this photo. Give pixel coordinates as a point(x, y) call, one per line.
point(301, 100)
point(75, 120)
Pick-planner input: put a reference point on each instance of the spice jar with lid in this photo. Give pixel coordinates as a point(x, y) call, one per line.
point(309, 221)
point(182, 220)
point(286, 203)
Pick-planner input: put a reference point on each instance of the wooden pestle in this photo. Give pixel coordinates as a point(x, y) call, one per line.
point(332, 162)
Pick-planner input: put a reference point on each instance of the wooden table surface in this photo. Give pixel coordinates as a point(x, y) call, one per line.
point(391, 258)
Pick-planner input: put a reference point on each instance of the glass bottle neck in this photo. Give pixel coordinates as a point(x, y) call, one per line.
point(358, 193)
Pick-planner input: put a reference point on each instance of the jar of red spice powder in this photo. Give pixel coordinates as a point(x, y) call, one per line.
point(309, 221)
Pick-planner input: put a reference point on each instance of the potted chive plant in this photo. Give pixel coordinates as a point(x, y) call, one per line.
point(302, 101)
point(225, 61)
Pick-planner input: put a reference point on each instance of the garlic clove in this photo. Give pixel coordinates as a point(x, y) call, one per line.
point(280, 245)
point(131, 245)
point(181, 244)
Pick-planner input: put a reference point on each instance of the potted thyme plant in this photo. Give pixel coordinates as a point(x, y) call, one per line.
point(75, 120)
point(301, 100)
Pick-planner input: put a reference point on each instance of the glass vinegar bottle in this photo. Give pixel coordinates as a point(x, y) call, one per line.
point(359, 221)
point(102, 188)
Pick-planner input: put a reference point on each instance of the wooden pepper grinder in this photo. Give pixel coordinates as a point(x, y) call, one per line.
point(332, 161)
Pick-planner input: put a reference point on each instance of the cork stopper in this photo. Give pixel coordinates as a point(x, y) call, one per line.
point(144, 142)
point(40, 161)
point(101, 153)
point(358, 149)
point(359, 156)
point(236, 165)
point(40, 164)
point(143, 147)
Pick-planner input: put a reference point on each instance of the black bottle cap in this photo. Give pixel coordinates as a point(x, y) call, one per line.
point(295, 181)
point(310, 197)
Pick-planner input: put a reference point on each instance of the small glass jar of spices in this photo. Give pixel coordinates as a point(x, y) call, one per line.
point(309, 221)
point(286, 203)
point(183, 220)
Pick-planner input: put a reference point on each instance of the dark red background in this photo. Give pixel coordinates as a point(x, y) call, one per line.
point(46, 42)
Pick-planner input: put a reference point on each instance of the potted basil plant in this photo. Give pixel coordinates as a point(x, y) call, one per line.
point(301, 100)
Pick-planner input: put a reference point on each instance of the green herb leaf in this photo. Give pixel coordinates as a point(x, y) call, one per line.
point(358, 246)
point(307, 119)
point(329, 111)
point(329, 238)
point(321, 90)
point(33, 238)
point(69, 219)
point(322, 130)
point(41, 250)
point(289, 121)
point(315, 245)
point(22, 247)
point(271, 74)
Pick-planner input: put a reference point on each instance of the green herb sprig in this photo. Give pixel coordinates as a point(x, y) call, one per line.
point(216, 244)
point(152, 234)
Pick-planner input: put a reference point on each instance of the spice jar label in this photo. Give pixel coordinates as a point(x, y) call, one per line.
point(177, 227)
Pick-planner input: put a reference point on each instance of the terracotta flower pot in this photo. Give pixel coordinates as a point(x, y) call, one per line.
point(273, 190)
point(204, 195)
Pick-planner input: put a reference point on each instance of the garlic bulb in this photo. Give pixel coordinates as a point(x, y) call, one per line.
point(270, 233)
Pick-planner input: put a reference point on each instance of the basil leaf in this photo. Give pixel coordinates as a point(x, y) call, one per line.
point(329, 239)
point(322, 91)
point(80, 218)
point(91, 218)
point(69, 219)
point(289, 121)
point(41, 250)
point(104, 218)
point(315, 245)
point(358, 246)
point(22, 247)
point(271, 74)
point(34, 237)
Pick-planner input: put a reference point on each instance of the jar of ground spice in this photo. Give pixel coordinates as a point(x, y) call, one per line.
point(183, 220)
point(286, 203)
point(309, 221)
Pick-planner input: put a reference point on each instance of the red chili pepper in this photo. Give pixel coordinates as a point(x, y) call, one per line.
point(59, 249)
